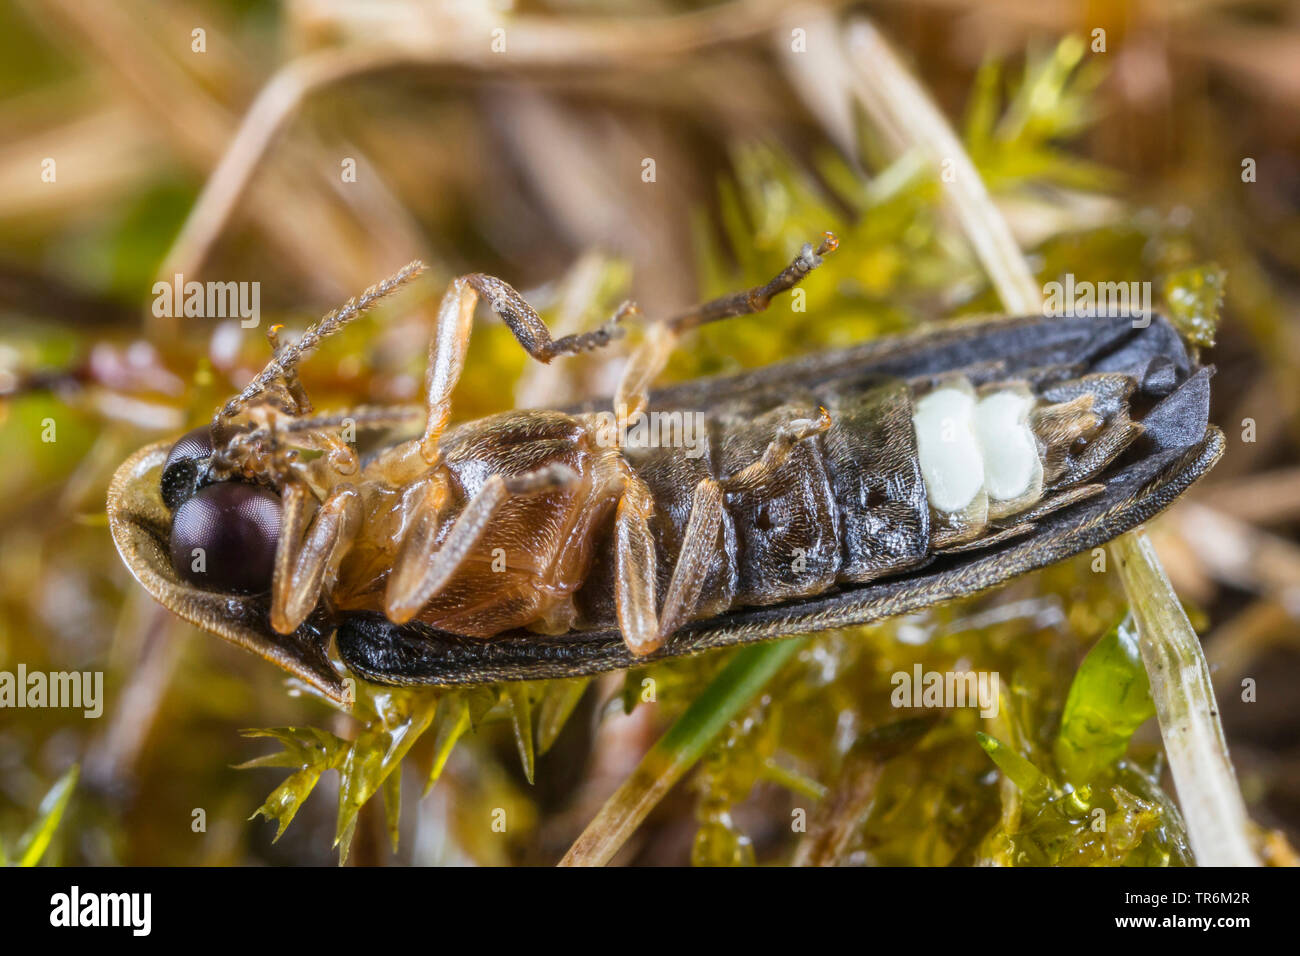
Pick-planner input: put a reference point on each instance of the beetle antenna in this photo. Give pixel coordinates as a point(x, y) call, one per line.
point(286, 359)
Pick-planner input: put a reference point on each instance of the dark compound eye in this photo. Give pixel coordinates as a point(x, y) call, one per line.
point(224, 537)
point(180, 474)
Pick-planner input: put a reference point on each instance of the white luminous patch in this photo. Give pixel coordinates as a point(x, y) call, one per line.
point(1011, 462)
point(970, 446)
point(946, 443)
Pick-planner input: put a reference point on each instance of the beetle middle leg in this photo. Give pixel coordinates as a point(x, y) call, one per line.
point(450, 342)
point(634, 573)
point(1092, 411)
point(698, 544)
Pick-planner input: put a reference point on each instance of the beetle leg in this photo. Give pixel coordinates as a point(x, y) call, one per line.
point(634, 574)
point(451, 342)
point(1091, 409)
point(997, 537)
point(757, 298)
point(642, 368)
point(1063, 499)
point(778, 450)
point(308, 556)
point(529, 329)
point(423, 567)
point(1026, 521)
point(699, 544)
point(1100, 451)
point(661, 338)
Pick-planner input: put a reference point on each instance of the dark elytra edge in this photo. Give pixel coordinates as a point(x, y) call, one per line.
point(383, 652)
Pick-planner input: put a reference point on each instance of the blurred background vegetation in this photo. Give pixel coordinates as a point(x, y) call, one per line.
point(514, 139)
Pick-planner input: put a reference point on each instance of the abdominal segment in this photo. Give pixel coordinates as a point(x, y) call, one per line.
point(979, 456)
point(996, 457)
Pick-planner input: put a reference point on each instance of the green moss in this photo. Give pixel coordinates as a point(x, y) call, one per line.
point(1195, 297)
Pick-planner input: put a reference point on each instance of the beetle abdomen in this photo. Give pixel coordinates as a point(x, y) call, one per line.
point(1088, 376)
point(904, 471)
point(870, 450)
point(787, 534)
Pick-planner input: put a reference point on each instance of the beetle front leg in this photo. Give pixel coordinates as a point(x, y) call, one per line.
point(450, 343)
point(423, 568)
point(307, 557)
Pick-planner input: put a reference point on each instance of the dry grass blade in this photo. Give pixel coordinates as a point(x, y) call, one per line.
point(1185, 707)
point(535, 42)
point(897, 104)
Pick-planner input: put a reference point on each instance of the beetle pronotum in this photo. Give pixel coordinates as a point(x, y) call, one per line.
point(831, 490)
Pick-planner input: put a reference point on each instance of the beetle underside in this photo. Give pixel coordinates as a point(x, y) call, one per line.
point(1177, 447)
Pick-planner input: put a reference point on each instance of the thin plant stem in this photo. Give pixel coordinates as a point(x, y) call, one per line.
point(1208, 794)
point(678, 750)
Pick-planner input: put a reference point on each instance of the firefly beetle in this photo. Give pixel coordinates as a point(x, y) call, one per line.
point(829, 490)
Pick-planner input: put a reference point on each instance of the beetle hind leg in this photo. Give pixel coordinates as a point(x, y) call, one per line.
point(652, 355)
point(1085, 427)
point(1062, 499)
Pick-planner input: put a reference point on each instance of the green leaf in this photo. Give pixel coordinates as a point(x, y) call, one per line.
point(376, 752)
point(1047, 104)
point(480, 700)
point(303, 747)
point(521, 717)
point(1029, 780)
point(558, 701)
point(393, 805)
point(283, 802)
point(792, 780)
point(36, 840)
point(311, 752)
point(1109, 699)
point(982, 109)
point(453, 719)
